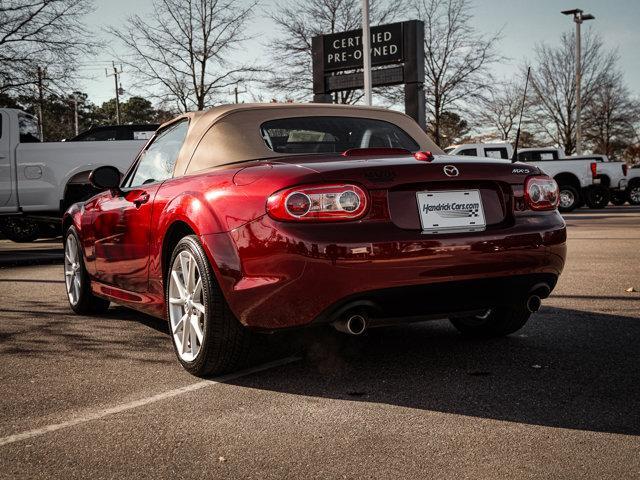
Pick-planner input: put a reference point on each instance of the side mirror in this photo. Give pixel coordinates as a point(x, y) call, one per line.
point(106, 178)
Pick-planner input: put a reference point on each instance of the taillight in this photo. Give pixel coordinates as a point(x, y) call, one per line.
point(541, 193)
point(625, 169)
point(321, 203)
point(594, 170)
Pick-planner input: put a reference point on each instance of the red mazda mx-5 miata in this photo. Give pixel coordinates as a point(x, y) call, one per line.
point(251, 218)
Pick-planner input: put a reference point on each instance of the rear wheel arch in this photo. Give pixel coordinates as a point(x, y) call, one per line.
point(78, 189)
point(176, 232)
point(568, 179)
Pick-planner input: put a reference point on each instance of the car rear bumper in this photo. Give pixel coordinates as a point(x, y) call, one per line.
point(277, 275)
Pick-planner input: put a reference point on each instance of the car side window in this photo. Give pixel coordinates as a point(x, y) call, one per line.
point(158, 160)
point(497, 152)
point(471, 152)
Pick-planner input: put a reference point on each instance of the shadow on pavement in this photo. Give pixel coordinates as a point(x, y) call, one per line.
point(567, 368)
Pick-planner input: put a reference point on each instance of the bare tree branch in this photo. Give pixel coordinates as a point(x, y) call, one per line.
point(42, 33)
point(553, 104)
point(180, 52)
point(457, 58)
point(298, 22)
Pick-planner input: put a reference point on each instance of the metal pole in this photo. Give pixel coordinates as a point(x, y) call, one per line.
point(40, 103)
point(115, 76)
point(75, 113)
point(366, 51)
point(578, 20)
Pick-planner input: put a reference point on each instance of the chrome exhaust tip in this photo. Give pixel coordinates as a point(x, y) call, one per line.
point(354, 324)
point(533, 303)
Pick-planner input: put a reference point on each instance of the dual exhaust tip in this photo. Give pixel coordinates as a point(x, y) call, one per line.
point(356, 323)
point(353, 324)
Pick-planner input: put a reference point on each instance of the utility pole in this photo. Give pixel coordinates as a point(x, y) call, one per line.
point(74, 99)
point(578, 17)
point(41, 74)
point(366, 51)
point(236, 92)
point(115, 74)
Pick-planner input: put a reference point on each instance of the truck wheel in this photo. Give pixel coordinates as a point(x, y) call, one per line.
point(618, 198)
point(633, 194)
point(207, 338)
point(76, 279)
point(20, 230)
point(597, 197)
point(569, 198)
point(497, 323)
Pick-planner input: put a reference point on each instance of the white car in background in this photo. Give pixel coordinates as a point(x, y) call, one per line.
point(574, 177)
point(39, 180)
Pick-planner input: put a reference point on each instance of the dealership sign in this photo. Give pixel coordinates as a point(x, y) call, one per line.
point(397, 57)
point(343, 50)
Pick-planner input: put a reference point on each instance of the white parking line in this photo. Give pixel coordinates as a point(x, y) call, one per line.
point(96, 415)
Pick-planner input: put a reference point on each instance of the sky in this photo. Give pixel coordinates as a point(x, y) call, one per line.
point(524, 23)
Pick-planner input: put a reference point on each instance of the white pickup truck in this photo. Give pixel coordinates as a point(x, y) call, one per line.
point(38, 181)
point(581, 179)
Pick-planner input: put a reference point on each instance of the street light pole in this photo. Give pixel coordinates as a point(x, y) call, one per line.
point(366, 51)
point(578, 17)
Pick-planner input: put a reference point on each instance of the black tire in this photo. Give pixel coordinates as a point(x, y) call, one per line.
point(597, 197)
point(20, 230)
point(569, 193)
point(633, 193)
point(226, 342)
point(87, 303)
point(618, 199)
point(500, 322)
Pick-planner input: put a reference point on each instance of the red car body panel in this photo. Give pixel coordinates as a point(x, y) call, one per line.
point(276, 274)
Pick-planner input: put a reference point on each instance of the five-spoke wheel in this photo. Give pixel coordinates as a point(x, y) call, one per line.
point(186, 307)
point(72, 273)
point(76, 279)
point(207, 337)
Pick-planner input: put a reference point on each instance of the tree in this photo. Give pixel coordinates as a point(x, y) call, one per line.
point(457, 58)
point(499, 110)
point(553, 106)
point(134, 110)
point(180, 52)
point(452, 128)
point(611, 117)
point(298, 23)
point(42, 33)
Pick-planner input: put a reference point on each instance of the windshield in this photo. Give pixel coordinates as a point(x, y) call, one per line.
point(333, 135)
point(28, 127)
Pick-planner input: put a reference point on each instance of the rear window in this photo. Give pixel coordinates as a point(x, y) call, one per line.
point(496, 153)
point(28, 128)
point(333, 135)
point(538, 156)
point(470, 152)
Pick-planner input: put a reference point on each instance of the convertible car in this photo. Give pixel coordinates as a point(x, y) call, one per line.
point(255, 218)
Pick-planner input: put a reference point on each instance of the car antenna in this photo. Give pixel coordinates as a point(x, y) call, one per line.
point(514, 158)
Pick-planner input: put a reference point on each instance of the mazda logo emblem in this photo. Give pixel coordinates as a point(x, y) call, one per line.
point(451, 171)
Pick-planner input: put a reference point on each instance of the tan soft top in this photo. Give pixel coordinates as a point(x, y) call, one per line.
point(231, 133)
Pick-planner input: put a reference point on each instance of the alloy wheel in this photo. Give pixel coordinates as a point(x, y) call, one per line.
point(186, 306)
point(72, 269)
point(567, 198)
point(634, 194)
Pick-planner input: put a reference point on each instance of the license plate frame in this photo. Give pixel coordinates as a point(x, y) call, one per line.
point(452, 211)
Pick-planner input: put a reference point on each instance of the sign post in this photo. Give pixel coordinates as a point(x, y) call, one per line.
point(397, 53)
point(366, 48)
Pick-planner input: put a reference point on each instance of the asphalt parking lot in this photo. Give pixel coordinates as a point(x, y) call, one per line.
point(104, 397)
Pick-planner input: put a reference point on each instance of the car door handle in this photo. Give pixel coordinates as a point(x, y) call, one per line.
point(142, 198)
